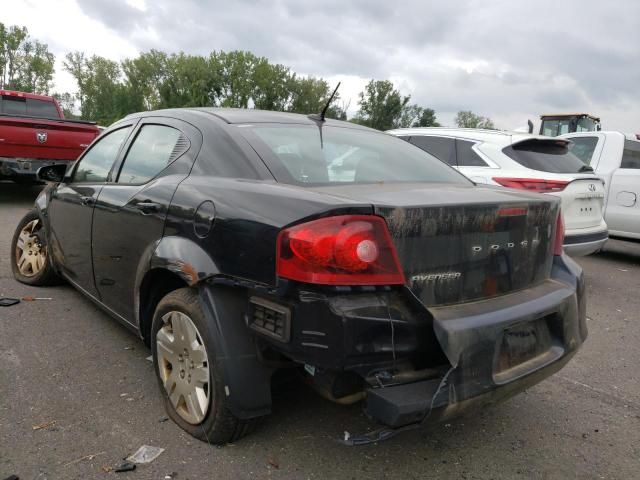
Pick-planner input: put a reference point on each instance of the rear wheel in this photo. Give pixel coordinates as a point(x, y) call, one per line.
point(30, 261)
point(190, 380)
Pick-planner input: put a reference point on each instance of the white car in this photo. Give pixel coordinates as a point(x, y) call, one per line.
point(615, 157)
point(529, 162)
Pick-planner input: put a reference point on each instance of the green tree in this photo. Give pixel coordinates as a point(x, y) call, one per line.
point(67, 102)
point(25, 64)
point(381, 105)
point(103, 97)
point(468, 119)
point(427, 119)
point(236, 73)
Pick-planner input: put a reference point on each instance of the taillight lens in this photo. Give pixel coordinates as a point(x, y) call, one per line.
point(532, 184)
point(559, 240)
point(340, 250)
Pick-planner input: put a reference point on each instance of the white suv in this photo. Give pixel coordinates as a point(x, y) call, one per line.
point(529, 162)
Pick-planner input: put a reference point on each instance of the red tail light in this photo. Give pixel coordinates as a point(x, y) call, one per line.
point(532, 184)
point(340, 250)
point(559, 240)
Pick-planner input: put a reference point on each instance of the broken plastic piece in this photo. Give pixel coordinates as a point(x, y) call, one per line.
point(125, 467)
point(8, 302)
point(145, 454)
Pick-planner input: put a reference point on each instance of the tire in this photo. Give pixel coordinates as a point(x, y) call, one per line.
point(216, 425)
point(30, 261)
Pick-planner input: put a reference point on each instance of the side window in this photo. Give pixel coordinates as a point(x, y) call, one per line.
point(95, 165)
point(155, 147)
point(467, 157)
point(443, 149)
point(583, 147)
point(631, 155)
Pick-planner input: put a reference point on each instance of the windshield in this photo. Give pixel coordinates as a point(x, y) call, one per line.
point(553, 128)
point(297, 154)
point(546, 156)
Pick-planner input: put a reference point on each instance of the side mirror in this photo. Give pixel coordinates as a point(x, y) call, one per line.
point(52, 173)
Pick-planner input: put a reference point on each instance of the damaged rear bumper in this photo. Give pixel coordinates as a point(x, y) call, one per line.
point(496, 349)
point(482, 351)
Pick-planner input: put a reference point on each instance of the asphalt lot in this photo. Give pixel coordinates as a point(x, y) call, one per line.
point(64, 360)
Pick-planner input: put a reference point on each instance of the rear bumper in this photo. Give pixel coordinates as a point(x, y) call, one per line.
point(24, 168)
point(585, 244)
point(481, 351)
point(474, 338)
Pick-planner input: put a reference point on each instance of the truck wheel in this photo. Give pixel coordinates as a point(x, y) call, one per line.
point(190, 380)
point(30, 261)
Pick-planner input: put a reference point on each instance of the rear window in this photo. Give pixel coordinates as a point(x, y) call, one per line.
point(11, 105)
point(306, 154)
point(14, 105)
point(545, 156)
point(41, 108)
point(583, 148)
point(631, 155)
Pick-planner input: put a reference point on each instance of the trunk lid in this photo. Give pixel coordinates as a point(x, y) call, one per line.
point(582, 202)
point(458, 244)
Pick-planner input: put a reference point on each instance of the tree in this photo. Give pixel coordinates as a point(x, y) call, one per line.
point(427, 119)
point(25, 64)
point(67, 102)
point(468, 119)
point(381, 105)
point(416, 116)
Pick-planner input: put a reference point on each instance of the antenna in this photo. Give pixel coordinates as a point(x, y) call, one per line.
point(326, 107)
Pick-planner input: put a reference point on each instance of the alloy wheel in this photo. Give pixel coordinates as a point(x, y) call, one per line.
point(183, 365)
point(31, 255)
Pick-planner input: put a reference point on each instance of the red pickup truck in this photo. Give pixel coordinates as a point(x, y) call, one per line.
point(34, 133)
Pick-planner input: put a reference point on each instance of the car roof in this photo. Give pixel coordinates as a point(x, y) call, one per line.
point(250, 115)
point(32, 96)
point(502, 137)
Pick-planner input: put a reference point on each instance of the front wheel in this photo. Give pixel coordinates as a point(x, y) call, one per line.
point(30, 261)
point(190, 380)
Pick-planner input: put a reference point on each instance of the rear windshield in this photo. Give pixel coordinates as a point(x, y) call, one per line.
point(32, 107)
point(546, 156)
point(307, 154)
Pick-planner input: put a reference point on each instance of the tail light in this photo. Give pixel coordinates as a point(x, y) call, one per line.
point(532, 184)
point(559, 240)
point(340, 250)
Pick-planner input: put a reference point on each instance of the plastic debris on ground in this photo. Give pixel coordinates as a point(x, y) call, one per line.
point(145, 454)
point(8, 302)
point(43, 425)
point(125, 467)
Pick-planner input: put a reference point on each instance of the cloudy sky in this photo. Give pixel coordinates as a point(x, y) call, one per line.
point(506, 59)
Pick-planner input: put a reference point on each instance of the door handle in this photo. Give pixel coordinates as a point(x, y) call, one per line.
point(147, 207)
point(87, 200)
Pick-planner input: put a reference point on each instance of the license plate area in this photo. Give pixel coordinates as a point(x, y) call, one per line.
point(526, 347)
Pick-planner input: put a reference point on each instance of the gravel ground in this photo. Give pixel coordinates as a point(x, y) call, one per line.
point(65, 361)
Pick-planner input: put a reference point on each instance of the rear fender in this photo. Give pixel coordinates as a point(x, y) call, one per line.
point(247, 382)
point(184, 258)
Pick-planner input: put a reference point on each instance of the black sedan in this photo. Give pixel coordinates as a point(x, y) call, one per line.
point(240, 242)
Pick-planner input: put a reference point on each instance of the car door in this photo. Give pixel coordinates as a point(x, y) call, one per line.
point(71, 206)
point(130, 212)
point(623, 206)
